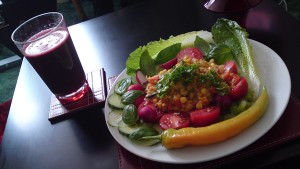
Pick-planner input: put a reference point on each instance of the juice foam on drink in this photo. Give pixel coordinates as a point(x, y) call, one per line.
point(42, 46)
point(55, 59)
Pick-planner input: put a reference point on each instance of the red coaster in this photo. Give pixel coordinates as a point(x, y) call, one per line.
point(95, 96)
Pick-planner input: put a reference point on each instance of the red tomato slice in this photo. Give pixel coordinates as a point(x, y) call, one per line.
point(230, 66)
point(190, 52)
point(239, 90)
point(174, 120)
point(233, 79)
point(206, 116)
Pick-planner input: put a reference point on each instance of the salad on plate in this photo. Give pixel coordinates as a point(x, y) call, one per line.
point(197, 88)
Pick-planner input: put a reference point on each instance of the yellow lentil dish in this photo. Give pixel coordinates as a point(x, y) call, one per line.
point(185, 95)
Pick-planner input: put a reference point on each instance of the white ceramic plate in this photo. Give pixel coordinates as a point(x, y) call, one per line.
point(274, 74)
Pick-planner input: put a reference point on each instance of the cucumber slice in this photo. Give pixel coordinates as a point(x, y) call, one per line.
point(114, 117)
point(114, 102)
point(126, 130)
point(147, 142)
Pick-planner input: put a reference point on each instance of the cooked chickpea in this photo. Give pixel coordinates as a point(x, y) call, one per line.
point(183, 100)
point(199, 105)
point(204, 91)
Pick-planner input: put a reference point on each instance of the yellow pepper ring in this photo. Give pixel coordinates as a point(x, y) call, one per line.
point(219, 131)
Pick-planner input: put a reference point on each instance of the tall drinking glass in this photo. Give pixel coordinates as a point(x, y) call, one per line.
point(45, 42)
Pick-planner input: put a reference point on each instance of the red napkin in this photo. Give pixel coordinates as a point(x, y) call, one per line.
point(284, 131)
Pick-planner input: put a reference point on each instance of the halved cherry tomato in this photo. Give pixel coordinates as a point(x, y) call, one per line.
point(230, 66)
point(239, 90)
point(206, 116)
point(190, 52)
point(174, 120)
point(233, 79)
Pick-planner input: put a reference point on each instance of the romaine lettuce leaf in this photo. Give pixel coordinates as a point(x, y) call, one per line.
point(230, 33)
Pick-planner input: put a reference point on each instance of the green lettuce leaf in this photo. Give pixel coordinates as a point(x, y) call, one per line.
point(230, 33)
point(153, 48)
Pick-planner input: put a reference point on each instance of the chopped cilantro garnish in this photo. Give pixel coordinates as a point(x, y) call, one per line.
point(186, 73)
point(211, 78)
point(182, 72)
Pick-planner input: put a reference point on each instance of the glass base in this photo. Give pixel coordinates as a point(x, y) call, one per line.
point(75, 96)
point(96, 95)
point(230, 6)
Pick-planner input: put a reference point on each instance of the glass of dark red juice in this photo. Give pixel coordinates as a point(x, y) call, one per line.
point(45, 42)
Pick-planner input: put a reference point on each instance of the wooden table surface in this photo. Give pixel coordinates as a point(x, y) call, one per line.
point(83, 141)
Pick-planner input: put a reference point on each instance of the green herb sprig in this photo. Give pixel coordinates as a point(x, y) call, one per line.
point(211, 78)
point(182, 72)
